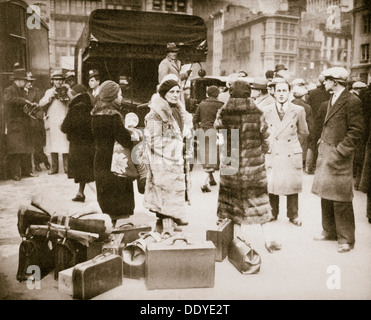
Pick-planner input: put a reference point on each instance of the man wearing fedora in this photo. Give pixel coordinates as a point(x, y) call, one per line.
point(259, 92)
point(171, 64)
point(37, 125)
point(333, 179)
point(55, 104)
point(280, 71)
point(18, 127)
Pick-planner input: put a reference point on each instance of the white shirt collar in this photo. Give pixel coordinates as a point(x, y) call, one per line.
point(284, 107)
point(336, 95)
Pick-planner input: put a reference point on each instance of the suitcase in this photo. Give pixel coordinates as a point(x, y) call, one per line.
point(243, 257)
point(68, 253)
point(28, 215)
point(96, 276)
point(176, 263)
point(34, 251)
point(131, 232)
point(65, 284)
point(221, 236)
point(134, 255)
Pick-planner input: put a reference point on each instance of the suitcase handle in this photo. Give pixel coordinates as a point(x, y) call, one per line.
point(180, 238)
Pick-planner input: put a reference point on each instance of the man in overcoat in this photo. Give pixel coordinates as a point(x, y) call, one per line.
point(333, 180)
point(18, 126)
point(284, 159)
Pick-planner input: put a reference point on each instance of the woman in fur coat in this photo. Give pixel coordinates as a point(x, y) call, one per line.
point(243, 192)
point(166, 189)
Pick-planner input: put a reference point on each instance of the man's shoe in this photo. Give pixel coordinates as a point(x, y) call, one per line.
point(212, 181)
point(345, 247)
point(52, 172)
point(16, 178)
point(322, 237)
point(47, 165)
point(369, 220)
point(29, 175)
point(296, 222)
point(273, 219)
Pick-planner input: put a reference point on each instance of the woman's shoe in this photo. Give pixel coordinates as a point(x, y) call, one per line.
point(212, 181)
point(205, 189)
point(47, 165)
point(79, 198)
point(273, 246)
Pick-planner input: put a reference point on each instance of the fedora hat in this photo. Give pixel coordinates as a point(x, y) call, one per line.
point(172, 47)
point(93, 73)
point(280, 67)
point(57, 75)
point(19, 74)
point(259, 84)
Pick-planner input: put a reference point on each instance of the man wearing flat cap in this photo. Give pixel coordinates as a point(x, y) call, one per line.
point(171, 64)
point(18, 127)
point(333, 180)
point(55, 103)
point(259, 92)
point(94, 83)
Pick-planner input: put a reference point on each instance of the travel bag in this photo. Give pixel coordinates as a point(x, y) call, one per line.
point(96, 276)
point(134, 255)
point(34, 251)
point(244, 257)
point(68, 253)
point(177, 263)
point(221, 235)
point(114, 244)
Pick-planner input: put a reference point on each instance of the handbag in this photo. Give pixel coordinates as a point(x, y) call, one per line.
point(244, 257)
point(122, 165)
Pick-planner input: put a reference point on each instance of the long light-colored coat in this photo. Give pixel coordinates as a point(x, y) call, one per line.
point(284, 160)
point(165, 190)
point(168, 66)
point(56, 140)
point(342, 131)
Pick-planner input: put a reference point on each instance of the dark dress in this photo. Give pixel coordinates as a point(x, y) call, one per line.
point(115, 194)
point(77, 127)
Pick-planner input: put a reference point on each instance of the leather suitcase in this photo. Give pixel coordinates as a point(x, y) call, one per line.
point(176, 263)
point(28, 215)
point(68, 253)
point(221, 236)
point(244, 257)
point(34, 251)
point(131, 232)
point(96, 276)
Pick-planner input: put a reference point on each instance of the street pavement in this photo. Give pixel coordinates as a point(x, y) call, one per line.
point(303, 269)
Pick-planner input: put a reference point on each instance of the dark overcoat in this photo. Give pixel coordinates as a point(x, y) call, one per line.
point(365, 184)
point(342, 131)
point(77, 127)
point(115, 194)
point(18, 124)
point(243, 195)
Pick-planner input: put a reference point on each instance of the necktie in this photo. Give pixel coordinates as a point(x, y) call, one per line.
point(281, 112)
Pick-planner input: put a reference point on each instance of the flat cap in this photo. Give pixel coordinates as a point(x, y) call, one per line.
point(299, 91)
point(259, 84)
point(336, 73)
point(70, 74)
point(298, 82)
point(359, 85)
point(275, 81)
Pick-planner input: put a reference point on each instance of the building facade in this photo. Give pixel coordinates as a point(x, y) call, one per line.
point(361, 61)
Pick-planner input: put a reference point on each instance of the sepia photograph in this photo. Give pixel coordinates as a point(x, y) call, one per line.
point(185, 156)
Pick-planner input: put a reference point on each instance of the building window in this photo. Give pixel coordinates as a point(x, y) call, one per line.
point(292, 29)
point(61, 6)
point(182, 5)
point(365, 52)
point(77, 7)
point(278, 27)
point(59, 52)
point(60, 29)
point(367, 24)
point(284, 44)
point(156, 5)
point(90, 6)
point(76, 29)
point(292, 45)
point(285, 28)
point(332, 42)
point(169, 5)
point(277, 43)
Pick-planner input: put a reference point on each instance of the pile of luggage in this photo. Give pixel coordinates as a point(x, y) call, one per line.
point(90, 257)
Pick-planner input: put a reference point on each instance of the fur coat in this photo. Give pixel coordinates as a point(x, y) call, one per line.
point(243, 194)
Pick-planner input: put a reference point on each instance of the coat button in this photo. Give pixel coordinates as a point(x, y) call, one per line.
point(289, 155)
point(289, 140)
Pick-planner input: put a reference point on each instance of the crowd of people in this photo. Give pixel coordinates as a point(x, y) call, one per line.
point(284, 130)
